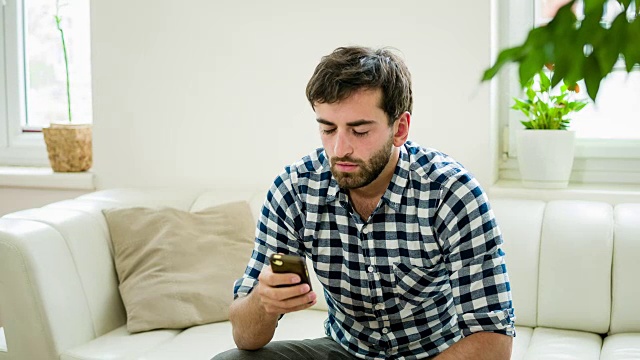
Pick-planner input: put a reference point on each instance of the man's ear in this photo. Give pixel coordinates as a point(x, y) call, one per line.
point(401, 129)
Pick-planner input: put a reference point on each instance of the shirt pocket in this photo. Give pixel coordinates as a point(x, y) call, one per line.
point(415, 285)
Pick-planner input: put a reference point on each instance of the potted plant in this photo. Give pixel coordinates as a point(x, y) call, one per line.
point(546, 146)
point(69, 145)
point(581, 48)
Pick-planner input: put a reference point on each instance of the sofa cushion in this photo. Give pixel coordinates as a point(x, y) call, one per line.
point(621, 347)
point(625, 312)
point(575, 266)
point(176, 269)
point(521, 342)
point(522, 245)
point(553, 344)
point(203, 342)
point(119, 344)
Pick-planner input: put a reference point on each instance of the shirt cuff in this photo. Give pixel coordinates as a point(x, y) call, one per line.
point(501, 321)
point(244, 287)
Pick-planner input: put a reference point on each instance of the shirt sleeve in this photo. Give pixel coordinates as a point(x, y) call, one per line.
point(471, 245)
point(279, 230)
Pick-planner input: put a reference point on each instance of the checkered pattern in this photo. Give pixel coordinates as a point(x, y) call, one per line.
point(425, 270)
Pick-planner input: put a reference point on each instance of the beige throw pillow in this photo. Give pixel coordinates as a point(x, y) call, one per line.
point(176, 269)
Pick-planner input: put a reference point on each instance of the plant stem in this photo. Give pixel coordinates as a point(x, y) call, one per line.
point(66, 61)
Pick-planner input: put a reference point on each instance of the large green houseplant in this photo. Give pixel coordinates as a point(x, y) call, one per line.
point(577, 47)
point(69, 145)
point(585, 49)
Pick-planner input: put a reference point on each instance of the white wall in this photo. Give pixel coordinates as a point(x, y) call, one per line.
point(208, 93)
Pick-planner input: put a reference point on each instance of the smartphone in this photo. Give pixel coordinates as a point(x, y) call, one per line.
point(290, 264)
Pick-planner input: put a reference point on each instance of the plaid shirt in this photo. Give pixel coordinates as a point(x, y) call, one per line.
point(423, 271)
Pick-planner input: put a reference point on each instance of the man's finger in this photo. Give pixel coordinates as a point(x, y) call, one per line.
point(283, 293)
point(267, 276)
point(275, 309)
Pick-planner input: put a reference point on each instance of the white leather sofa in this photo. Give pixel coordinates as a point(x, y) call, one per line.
point(574, 269)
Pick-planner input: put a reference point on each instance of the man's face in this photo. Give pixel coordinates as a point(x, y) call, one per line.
point(356, 137)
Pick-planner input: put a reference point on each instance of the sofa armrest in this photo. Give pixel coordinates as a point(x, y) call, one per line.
point(58, 288)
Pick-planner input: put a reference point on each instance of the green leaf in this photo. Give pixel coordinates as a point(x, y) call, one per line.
point(530, 66)
point(618, 32)
point(522, 106)
point(564, 16)
point(558, 75)
point(625, 3)
point(607, 57)
point(591, 6)
point(567, 49)
point(513, 54)
point(530, 93)
point(545, 83)
point(579, 106)
point(573, 61)
point(632, 49)
point(592, 76)
point(611, 44)
point(533, 59)
point(544, 107)
point(527, 124)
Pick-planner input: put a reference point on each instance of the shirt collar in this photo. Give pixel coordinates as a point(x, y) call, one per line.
point(395, 191)
point(334, 189)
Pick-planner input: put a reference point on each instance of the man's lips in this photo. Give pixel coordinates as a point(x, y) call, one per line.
point(347, 167)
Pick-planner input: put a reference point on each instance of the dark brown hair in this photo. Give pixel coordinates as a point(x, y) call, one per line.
point(349, 69)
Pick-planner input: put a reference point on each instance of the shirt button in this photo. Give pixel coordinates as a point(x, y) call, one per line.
point(379, 306)
point(370, 269)
point(385, 331)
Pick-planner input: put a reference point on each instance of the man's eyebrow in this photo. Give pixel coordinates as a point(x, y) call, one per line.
point(352, 123)
point(325, 122)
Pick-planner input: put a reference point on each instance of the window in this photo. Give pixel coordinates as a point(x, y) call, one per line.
point(608, 132)
point(33, 90)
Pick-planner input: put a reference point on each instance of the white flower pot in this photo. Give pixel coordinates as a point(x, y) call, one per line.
point(545, 157)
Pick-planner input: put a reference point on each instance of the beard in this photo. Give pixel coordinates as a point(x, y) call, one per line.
point(367, 171)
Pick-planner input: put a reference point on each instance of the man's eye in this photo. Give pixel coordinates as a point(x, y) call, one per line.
point(328, 132)
point(356, 133)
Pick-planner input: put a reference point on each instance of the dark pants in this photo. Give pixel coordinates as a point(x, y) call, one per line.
point(314, 349)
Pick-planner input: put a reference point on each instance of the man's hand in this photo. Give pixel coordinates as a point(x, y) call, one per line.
point(278, 294)
point(254, 317)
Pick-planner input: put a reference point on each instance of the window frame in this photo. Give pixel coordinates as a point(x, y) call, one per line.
point(596, 160)
point(17, 147)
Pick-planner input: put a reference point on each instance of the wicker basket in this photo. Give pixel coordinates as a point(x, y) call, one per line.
point(69, 147)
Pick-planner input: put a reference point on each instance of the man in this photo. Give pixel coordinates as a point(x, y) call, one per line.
point(401, 237)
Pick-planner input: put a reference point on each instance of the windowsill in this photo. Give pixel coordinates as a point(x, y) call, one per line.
point(611, 193)
point(44, 178)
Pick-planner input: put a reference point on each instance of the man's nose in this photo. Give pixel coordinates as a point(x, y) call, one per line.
point(343, 146)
